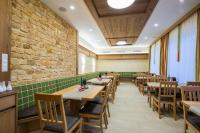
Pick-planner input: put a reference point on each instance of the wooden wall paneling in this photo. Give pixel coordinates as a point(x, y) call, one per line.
point(5, 9)
point(121, 25)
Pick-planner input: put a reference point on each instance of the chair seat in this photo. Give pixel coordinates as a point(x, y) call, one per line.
point(145, 84)
point(98, 100)
point(71, 121)
point(91, 108)
point(194, 120)
point(28, 112)
point(165, 99)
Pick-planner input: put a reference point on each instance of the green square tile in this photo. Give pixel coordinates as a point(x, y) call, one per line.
point(29, 87)
point(24, 88)
point(30, 98)
point(19, 95)
point(25, 100)
point(25, 106)
point(20, 108)
point(25, 94)
point(30, 92)
point(19, 101)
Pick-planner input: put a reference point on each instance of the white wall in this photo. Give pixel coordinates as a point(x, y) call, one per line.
point(86, 64)
point(123, 65)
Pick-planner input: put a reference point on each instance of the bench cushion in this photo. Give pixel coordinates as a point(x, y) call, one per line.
point(91, 108)
point(71, 121)
point(26, 113)
point(194, 120)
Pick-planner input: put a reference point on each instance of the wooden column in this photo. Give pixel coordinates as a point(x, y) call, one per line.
point(5, 9)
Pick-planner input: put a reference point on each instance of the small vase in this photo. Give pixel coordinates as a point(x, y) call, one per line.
point(9, 87)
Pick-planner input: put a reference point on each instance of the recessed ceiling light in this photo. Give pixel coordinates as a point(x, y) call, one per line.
point(120, 4)
point(62, 9)
point(90, 29)
point(156, 25)
point(145, 38)
point(121, 43)
point(181, 1)
point(72, 7)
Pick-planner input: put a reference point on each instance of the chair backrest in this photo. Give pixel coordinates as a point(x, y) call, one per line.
point(190, 93)
point(193, 83)
point(161, 78)
point(105, 96)
point(51, 110)
point(151, 79)
point(168, 89)
point(114, 84)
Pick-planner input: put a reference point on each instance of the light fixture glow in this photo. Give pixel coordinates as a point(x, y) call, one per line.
point(145, 38)
point(120, 4)
point(181, 1)
point(72, 7)
point(121, 43)
point(90, 29)
point(156, 25)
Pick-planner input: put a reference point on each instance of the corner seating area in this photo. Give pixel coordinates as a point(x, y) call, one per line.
point(28, 119)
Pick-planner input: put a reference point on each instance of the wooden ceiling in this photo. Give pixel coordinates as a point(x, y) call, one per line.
point(124, 24)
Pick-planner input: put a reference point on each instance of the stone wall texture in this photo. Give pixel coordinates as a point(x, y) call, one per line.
point(43, 45)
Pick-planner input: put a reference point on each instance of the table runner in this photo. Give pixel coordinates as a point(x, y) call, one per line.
point(99, 82)
point(78, 95)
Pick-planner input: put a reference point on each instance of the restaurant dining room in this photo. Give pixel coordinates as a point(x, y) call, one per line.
point(99, 66)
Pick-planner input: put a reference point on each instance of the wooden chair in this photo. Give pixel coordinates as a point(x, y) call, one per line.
point(190, 93)
point(112, 90)
point(53, 117)
point(193, 83)
point(166, 95)
point(150, 90)
point(142, 83)
point(99, 99)
point(96, 113)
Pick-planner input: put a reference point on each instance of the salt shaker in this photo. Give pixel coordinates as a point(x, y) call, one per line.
point(1, 87)
point(4, 85)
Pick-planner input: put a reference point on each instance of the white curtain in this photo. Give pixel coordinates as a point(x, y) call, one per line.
point(188, 43)
point(184, 70)
point(152, 59)
point(155, 58)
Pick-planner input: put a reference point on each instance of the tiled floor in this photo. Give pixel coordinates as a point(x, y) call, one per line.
point(130, 113)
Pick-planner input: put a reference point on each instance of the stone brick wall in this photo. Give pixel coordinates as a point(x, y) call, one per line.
point(43, 45)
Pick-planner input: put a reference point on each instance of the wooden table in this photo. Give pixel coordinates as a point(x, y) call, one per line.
point(193, 106)
point(156, 85)
point(107, 77)
point(96, 81)
point(140, 78)
point(74, 93)
point(191, 103)
point(76, 97)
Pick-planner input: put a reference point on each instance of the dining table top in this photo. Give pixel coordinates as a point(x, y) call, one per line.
point(191, 103)
point(107, 77)
point(140, 77)
point(194, 106)
point(157, 85)
point(99, 81)
point(74, 92)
